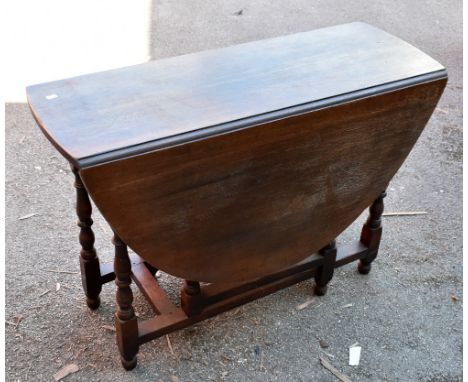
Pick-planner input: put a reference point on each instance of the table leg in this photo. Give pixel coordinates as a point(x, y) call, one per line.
point(372, 233)
point(191, 298)
point(89, 262)
point(126, 324)
point(324, 273)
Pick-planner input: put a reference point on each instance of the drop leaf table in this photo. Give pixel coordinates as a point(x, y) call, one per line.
point(235, 169)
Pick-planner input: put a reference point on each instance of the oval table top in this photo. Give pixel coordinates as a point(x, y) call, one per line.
point(100, 117)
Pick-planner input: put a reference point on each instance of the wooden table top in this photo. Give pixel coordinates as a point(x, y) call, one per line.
point(104, 116)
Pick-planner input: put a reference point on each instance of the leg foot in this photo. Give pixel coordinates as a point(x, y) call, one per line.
point(126, 325)
point(93, 303)
point(320, 290)
point(371, 234)
point(325, 272)
point(363, 268)
point(129, 365)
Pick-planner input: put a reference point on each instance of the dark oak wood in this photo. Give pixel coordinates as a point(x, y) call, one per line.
point(125, 320)
point(219, 209)
point(215, 293)
point(349, 253)
point(107, 269)
point(237, 167)
point(89, 262)
point(151, 269)
point(191, 300)
point(212, 298)
point(325, 272)
point(218, 298)
point(104, 116)
point(153, 293)
point(372, 233)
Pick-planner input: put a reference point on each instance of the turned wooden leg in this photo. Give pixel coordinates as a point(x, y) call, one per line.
point(126, 324)
point(324, 273)
point(371, 234)
point(89, 262)
point(191, 298)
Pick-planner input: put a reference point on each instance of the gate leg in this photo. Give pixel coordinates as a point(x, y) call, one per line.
point(126, 324)
point(324, 273)
point(191, 298)
point(89, 262)
point(372, 233)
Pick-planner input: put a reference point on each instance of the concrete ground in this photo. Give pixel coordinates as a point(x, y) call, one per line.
point(406, 314)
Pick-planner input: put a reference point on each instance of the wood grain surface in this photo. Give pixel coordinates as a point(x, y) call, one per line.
point(247, 203)
point(136, 109)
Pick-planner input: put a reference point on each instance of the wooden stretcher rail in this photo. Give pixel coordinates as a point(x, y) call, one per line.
point(218, 298)
point(148, 285)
